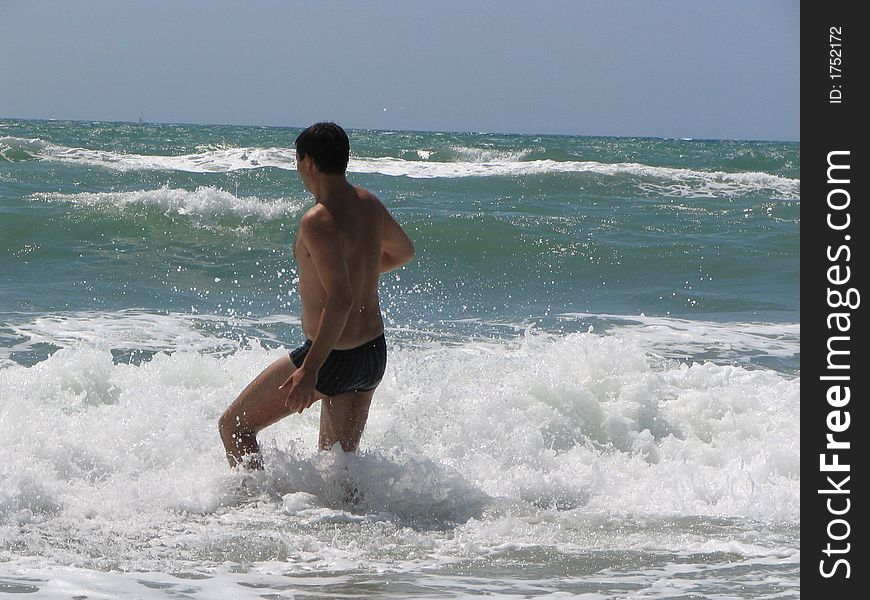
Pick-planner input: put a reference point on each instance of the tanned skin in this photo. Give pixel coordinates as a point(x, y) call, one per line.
point(345, 242)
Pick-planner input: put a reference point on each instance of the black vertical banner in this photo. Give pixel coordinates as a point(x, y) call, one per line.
point(834, 421)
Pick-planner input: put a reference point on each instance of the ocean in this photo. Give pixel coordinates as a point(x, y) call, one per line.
point(592, 389)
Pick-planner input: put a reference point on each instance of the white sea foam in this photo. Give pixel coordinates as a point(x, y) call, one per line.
point(679, 182)
point(274, 579)
point(668, 181)
point(206, 201)
point(212, 161)
point(32, 146)
point(568, 407)
point(684, 337)
point(135, 330)
point(488, 155)
point(585, 420)
point(702, 184)
point(538, 446)
point(218, 160)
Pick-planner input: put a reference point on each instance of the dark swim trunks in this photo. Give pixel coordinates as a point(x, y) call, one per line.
point(353, 370)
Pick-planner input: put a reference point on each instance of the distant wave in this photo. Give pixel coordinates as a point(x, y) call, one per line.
point(488, 155)
point(211, 161)
point(203, 201)
point(14, 149)
point(677, 182)
point(668, 181)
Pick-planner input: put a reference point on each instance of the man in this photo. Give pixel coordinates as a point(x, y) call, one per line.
point(345, 241)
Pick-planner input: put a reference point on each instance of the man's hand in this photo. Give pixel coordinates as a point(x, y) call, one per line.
point(300, 390)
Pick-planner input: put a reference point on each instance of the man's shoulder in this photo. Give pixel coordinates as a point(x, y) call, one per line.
point(317, 217)
point(364, 194)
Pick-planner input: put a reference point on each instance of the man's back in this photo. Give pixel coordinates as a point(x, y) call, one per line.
point(358, 219)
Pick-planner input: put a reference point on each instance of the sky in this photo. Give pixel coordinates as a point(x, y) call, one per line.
point(665, 68)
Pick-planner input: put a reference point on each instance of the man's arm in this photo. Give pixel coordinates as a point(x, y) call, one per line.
point(396, 247)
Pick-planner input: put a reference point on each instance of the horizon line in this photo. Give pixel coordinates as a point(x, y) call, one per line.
point(458, 132)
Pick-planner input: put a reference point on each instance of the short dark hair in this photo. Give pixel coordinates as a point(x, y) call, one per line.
point(327, 145)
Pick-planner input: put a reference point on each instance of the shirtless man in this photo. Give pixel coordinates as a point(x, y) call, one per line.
point(345, 241)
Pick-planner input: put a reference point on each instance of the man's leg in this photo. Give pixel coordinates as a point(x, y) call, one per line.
point(258, 406)
point(343, 418)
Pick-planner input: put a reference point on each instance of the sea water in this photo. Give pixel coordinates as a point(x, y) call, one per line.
point(593, 383)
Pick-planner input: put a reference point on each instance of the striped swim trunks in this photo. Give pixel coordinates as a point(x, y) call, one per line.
point(353, 370)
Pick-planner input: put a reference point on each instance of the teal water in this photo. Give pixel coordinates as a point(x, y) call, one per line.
point(509, 229)
point(629, 308)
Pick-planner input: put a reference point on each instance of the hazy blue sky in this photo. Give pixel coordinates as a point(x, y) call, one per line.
point(670, 68)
